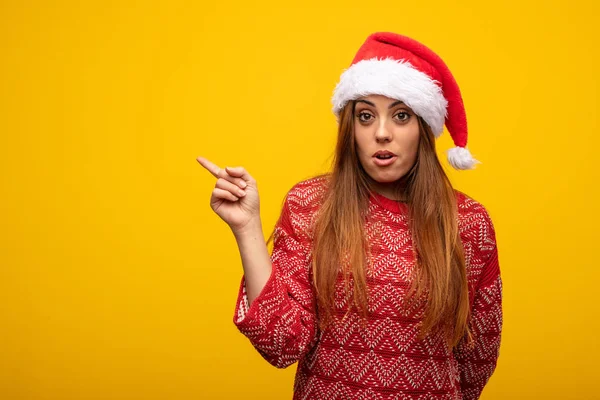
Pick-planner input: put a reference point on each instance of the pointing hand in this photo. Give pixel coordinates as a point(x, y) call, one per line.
point(235, 196)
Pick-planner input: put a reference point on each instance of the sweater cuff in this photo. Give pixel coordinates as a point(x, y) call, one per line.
point(245, 315)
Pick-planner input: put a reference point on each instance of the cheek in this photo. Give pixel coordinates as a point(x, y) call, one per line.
point(414, 146)
point(360, 140)
point(409, 143)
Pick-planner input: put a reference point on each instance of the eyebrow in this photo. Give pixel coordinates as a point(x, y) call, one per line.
point(394, 104)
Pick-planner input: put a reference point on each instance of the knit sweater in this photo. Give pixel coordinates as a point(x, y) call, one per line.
point(384, 359)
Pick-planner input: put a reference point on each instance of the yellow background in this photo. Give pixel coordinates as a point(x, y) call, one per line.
point(117, 281)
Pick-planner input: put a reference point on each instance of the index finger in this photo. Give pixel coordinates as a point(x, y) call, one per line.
point(210, 167)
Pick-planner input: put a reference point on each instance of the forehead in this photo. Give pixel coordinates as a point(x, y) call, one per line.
point(378, 100)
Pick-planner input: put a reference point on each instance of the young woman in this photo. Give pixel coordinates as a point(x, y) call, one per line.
point(383, 282)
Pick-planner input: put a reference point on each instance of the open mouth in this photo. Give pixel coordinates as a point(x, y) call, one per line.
point(384, 160)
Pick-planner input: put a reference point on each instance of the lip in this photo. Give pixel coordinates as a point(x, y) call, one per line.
point(383, 153)
point(384, 163)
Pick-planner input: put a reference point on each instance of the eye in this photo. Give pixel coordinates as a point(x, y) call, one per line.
point(403, 116)
point(365, 116)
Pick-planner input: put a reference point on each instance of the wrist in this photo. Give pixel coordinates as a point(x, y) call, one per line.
point(252, 228)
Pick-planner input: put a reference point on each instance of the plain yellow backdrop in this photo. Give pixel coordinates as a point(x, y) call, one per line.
point(117, 281)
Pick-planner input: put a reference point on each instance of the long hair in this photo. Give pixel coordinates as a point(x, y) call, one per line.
point(340, 249)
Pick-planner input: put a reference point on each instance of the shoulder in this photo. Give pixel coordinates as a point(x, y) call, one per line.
point(471, 212)
point(479, 241)
point(306, 195)
point(302, 202)
point(475, 224)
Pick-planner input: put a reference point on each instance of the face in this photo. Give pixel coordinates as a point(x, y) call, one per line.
point(388, 126)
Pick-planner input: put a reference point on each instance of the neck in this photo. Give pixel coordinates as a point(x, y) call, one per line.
point(392, 190)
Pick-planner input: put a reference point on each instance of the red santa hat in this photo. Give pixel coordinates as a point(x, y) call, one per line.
point(401, 68)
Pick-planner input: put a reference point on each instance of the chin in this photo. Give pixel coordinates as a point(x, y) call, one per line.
point(386, 180)
point(387, 177)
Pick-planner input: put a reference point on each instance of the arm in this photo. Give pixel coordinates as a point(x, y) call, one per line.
point(255, 258)
point(275, 302)
point(278, 319)
point(477, 359)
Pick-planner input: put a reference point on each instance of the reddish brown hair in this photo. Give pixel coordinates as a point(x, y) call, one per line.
point(340, 248)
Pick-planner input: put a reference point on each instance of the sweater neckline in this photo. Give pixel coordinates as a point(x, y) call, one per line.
point(397, 207)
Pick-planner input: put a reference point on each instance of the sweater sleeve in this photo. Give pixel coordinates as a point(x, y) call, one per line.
point(477, 359)
point(280, 323)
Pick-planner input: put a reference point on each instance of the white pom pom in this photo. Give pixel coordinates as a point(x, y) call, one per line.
point(461, 158)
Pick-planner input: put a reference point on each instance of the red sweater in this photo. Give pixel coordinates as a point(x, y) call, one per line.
point(384, 360)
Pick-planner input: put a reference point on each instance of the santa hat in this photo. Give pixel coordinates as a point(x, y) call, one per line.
point(401, 68)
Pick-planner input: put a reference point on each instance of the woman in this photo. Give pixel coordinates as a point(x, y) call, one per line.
point(384, 281)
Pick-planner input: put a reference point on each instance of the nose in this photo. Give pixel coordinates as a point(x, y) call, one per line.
point(382, 134)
